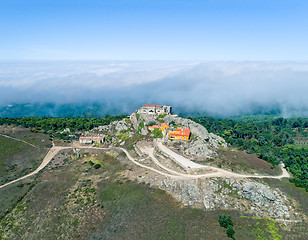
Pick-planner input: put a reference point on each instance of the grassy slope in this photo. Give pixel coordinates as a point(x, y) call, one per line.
point(12, 194)
point(17, 158)
point(239, 161)
point(76, 201)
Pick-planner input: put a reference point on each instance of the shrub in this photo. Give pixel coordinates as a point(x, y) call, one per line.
point(97, 166)
point(157, 133)
point(141, 125)
point(91, 163)
point(230, 232)
point(172, 123)
point(225, 221)
point(152, 123)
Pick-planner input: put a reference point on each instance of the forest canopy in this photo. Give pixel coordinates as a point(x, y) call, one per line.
point(274, 140)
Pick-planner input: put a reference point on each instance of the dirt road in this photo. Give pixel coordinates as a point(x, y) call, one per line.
point(217, 172)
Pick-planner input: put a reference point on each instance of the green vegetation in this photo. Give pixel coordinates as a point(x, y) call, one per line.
point(129, 143)
point(160, 117)
point(172, 123)
point(272, 228)
point(136, 211)
point(151, 123)
point(55, 126)
point(226, 222)
point(240, 161)
point(123, 131)
point(97, 166)
point(123, 137)
point(13, 194)
point(271, 139)
point(141, 126)
point(18, 158)
point(78, 201)
point(157, 133)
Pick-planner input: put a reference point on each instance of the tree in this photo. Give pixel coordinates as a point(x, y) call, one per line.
point(225, 221)
point(230, 232)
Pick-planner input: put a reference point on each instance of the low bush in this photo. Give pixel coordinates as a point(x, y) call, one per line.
point(226, 222)
point(97, 166)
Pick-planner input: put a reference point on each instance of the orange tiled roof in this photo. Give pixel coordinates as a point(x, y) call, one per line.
point(152, 106)
point(164, 125)
point(154, 126)
point(91, 137)
point(180, 132)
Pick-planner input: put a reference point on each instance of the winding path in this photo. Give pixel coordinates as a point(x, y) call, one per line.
point(217, 172)
point(2, 135)
point(182, 161)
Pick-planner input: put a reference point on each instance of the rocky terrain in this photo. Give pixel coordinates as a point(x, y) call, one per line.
point(203, 144)
point(232, 194)
point(139, 159)
point(247, 195)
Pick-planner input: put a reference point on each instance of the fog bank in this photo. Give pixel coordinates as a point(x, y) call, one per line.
point(216, 88)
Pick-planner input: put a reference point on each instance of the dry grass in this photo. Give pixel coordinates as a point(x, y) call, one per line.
point(239, 161)
point(18, 158)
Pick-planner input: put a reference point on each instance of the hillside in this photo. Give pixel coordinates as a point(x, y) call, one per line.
point(102, 204)
point(20, 157)
point(130, 187)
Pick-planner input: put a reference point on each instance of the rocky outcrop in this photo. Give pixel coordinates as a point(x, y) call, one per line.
point(199, 147)
point(215, 141)
point(230, 194)
point(257, 192)
point(115, 126)
point(122, 125)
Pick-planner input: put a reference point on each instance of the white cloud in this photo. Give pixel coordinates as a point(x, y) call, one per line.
point(218, 88)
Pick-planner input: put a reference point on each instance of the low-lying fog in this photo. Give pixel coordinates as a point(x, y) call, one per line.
point(215, 88)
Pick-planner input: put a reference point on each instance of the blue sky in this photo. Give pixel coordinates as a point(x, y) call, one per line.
point(154, 29)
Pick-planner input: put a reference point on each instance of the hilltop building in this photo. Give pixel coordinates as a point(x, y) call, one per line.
point(179, 134)
point(155, 109)
point(91, 140)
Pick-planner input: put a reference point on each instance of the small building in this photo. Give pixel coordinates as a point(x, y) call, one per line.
point(154, 109)
point(179, 134)
point(90, 140)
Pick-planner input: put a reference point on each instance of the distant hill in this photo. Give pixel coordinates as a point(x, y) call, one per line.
point(55, 110)
point(103, 108)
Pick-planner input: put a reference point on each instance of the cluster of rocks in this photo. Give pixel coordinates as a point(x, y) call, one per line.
point(199, 147)
point(115, 126)
point(121, 125)
point(230, 194)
